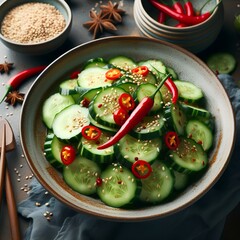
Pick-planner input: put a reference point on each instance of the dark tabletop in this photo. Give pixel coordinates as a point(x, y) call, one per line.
point(21, 175)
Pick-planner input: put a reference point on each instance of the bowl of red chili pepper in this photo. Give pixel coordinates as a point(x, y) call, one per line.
point(127, 175)
point(191, 24)
point(34, 27)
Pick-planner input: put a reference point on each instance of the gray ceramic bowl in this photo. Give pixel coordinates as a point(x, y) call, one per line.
point(189, 68)
point(194, 38)
point(41, 47)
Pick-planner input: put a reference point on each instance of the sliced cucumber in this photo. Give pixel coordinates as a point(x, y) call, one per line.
point(221, 62)
point(176, 118)
point(188, 91)
point(52, 150)
point(188, 157)
point(199, 132)
point(159, 185)
point(150, 127)
point(181, 180)
point(118, 187)
point(166, 94)
point(96, 62)
point(123, 62)
point(88, 149)
point(172, 72)
point(194, 111)
point(93, 77)
point(157, 67)
point(131, 149)
point(104, 105)
point(81, 175)
point(127, 86)
point(88, 96)
point(53, 105)
point(146, 90)
point(69, 122)
point(68, 87)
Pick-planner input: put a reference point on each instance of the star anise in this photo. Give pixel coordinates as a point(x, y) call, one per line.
point(111, 11)
point(14, 97)
point(98, 24)
point(5, 67)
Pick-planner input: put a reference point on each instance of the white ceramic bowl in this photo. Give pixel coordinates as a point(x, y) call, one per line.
point(193, 38)
point(188, 66)
point(41, 47)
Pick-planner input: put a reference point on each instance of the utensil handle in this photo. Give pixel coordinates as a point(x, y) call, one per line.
point(2, 162)
point(12, 208)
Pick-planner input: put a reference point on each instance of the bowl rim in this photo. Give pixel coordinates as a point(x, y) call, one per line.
point(102, 213)
point(20, 2)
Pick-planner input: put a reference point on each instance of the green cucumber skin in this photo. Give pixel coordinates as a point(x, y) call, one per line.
point(68, 87)
point(123, 62)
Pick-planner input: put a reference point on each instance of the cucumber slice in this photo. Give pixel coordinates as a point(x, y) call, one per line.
point(96, 62)
point(123, 62)
point(150, 127)
point(104, 105)
point(188, 91)
point(194, 111)
point(88, 96)
point(67, 87)
point(175, 118)
point(200, 133)
point(188, 157)
point(131, 149)
point(53, 105)
point(221, 62)
point(93, 78)
point(118, 187)
point(159, 185)
point(166, 94)
point(148, 89)
point(127, 86)
point(69, 122)
point(88, 149)
point(172, 72)
point(52, 150)
point(181, 180)
point(157, 67)
point(81, 175)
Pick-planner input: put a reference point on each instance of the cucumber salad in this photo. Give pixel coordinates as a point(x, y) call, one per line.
point(128, 133)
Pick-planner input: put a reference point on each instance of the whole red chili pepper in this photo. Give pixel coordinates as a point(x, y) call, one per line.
point(189, 20)
point(136, 116)
point(188, 8)
point(161, 17)
point(179, 9)
point(16, 80)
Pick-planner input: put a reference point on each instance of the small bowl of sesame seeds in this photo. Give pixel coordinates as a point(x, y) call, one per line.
point(34, 27)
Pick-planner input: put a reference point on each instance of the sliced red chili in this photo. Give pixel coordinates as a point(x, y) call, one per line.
point(74, 75)
point(126, 101)
point(141, 70)
point(172, 140)
point(91, 132)
point(113, 74)
point(68, 154)
point(120, 116)
point(141, 169)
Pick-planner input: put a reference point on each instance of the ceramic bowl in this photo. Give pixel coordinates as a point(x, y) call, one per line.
point(41, 47)
point(189, 67)
point(193, 38)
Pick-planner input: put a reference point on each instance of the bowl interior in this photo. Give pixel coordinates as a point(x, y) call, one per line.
point(151, 13)
point(188, 66)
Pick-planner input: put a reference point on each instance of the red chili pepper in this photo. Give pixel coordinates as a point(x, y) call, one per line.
point(113, 74)
point(142, 70)
point(126, 101)
point(136, 116)
point(161, 17)
point(68, 154)
point(171, 140)
point(189, 20)
point(179, 9)
point(188, 8)
point(141, 169)
point(16, 80)
point(120, 116)
point(74, 75)
point(91, 132)
point(172, 88)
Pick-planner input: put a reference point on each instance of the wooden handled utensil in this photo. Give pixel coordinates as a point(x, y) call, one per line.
point(7, 143)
